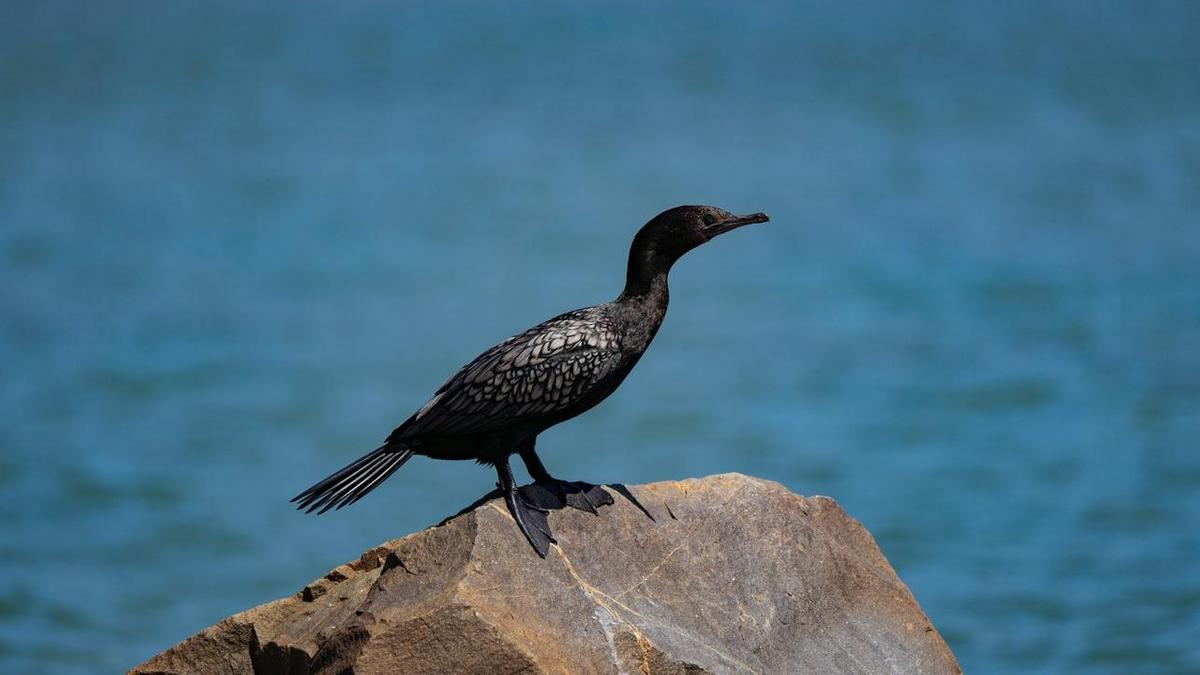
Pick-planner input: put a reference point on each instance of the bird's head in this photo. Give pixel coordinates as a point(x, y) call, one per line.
point(676, 231)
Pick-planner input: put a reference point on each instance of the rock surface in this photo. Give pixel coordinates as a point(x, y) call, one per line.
point(733, 575)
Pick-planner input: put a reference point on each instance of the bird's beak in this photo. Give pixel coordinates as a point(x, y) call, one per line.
point(723, 226)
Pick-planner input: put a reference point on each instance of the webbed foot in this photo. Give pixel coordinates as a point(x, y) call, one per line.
point(531, 520)
point(554, 494)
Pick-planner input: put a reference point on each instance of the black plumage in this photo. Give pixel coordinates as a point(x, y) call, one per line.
point(497, 404)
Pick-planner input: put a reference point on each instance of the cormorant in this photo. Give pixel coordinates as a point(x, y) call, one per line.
point(497, 404)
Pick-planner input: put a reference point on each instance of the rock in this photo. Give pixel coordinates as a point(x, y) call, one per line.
point(734, 574)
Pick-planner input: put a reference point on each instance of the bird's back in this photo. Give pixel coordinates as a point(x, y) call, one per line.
point(533, 380)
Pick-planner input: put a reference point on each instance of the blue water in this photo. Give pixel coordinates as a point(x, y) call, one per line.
point(239, 244)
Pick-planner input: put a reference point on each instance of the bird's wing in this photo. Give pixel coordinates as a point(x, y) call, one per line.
point(536, 373)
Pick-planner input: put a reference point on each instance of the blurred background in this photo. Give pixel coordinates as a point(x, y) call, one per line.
point(239, 244)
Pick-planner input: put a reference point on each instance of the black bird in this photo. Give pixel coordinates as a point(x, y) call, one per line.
point(497, 404)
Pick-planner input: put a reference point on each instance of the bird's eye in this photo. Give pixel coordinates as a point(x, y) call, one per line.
point(708, 219)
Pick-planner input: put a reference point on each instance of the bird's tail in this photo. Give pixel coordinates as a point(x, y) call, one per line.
point(354, 481)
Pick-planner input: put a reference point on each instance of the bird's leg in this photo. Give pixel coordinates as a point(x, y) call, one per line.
point(576, 494)
point(533, 463)
point(531, 519)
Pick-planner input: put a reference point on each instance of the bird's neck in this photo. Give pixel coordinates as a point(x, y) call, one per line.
point(646, 281)
point(641, 310)
point(643, 303)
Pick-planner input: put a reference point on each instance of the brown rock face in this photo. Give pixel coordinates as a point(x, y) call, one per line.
point(734, 575)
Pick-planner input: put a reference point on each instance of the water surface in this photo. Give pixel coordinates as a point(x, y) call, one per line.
point(238, 245)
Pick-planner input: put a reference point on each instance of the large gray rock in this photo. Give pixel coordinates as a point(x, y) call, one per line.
point(735, 574)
